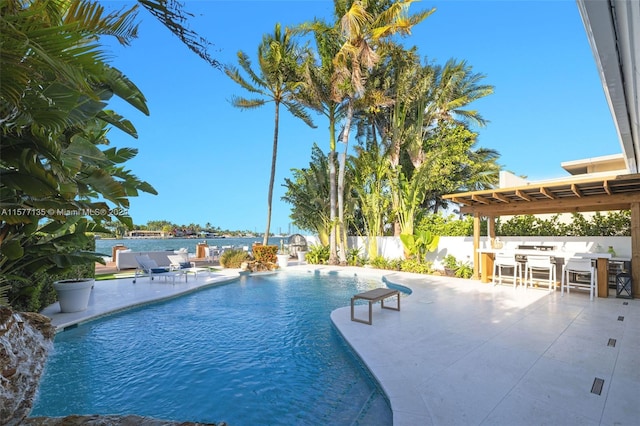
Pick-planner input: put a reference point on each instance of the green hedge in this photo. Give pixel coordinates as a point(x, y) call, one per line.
point(616, 223)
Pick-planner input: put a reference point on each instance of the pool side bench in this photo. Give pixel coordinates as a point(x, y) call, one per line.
point(373, 296)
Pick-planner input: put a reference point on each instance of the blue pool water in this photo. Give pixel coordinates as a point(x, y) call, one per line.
point(261, 350)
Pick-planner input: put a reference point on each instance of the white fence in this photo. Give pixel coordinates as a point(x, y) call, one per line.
point(462, 247)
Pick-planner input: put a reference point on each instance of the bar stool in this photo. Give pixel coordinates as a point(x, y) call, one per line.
point(504, 260)
point(537, 263)
point(578, 266)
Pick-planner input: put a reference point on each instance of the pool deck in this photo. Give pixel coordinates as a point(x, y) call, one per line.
point(465, 353)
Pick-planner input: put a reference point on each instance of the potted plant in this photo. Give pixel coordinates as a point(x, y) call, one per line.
point(74, 293)
point(283, 255)
point(450, 265)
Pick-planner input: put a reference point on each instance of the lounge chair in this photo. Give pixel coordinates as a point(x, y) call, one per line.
point(180, 261)
point(148, 266)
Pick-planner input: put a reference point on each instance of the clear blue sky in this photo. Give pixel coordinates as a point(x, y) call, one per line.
point(210, 162)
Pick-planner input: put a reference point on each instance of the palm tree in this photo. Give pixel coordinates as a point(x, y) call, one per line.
point(279, 81)
point(172, 15)
point(456, 87)
point(362, 25)
point(322, 94)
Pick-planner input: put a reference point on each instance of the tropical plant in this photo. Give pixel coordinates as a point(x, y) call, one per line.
point(318, 254)
point(362, 26)
point(354, 258)
point(308, 194)
point(417, 245)
point(54, 87)
point(278, 80)
point(450, 262)
point(233, 258)
point(464, 270)
point(322, 93)
point(412, 265)
point(369, 183)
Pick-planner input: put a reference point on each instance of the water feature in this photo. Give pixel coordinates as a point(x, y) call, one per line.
point(261, 350)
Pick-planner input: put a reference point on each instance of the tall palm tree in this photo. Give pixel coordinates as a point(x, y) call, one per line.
point(456, 87)
point(362, 25)
point(278, 80)
point(323, 95)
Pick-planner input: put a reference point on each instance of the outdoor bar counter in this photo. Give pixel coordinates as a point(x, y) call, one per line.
point(602, 263)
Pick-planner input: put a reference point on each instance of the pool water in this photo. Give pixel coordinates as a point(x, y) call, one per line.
point(261, 350)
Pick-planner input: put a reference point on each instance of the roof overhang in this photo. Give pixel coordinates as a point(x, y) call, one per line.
point(613, 30)
point(562, 196)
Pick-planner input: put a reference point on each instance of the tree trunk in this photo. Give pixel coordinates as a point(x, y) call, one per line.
point(341, 172)
point(333, 235)
point(272, 178)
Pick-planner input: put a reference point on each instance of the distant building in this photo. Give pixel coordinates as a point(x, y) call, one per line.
point(146, 234)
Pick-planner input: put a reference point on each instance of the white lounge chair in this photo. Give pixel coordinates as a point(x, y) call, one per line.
point(180, 261)
point(149, 267)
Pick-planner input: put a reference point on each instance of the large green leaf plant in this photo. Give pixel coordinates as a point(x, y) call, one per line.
point(418, 244)
point(58, 180)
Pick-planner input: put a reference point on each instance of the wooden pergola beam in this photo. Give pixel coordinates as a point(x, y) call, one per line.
point(479, 199)
point(500, 197)
point(547, 193)
point(576, 190)
point(522, 195)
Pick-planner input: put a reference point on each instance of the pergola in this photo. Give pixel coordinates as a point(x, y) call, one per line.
point(613, 30)
point(571, 195)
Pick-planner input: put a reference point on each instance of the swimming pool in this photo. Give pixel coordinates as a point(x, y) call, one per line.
point(261, 350)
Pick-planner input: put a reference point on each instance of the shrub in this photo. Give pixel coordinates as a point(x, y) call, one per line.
point(265, 254)
point(34, 292)
point(450, 262)
point(379, 262)
point(412, 265)
point(354, 258)
point(465, 270)
point(233, 258)
point(318, 254)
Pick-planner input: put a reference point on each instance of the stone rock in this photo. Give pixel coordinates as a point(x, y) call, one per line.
point(25, 340)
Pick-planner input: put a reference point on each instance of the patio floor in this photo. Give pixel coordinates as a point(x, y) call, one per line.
point(465, 353)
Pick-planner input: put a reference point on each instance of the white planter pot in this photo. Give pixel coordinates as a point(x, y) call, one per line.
point(283, 260)
point(302, 256)
point(73, 295)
